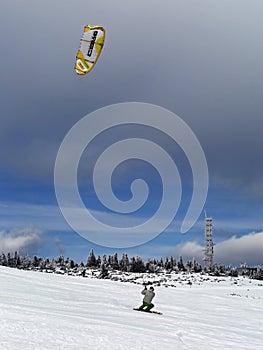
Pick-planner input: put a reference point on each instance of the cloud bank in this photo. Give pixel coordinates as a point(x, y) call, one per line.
point(24, 241)
point(234, 250)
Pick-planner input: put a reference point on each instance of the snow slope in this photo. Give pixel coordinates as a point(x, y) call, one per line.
point(49, 311)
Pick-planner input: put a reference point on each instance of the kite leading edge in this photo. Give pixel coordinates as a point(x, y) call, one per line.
point(90, 48)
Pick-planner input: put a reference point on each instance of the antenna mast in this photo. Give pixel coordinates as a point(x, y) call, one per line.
point(209, 245)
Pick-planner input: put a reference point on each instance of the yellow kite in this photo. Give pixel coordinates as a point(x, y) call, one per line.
point(90, 48)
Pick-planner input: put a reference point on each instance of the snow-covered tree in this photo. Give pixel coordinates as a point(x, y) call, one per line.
point(124, 262)
point(180, 264)
point(104, 273)
point(92, 262)
point(115, 262)
point(3, 260)
point(137, 265)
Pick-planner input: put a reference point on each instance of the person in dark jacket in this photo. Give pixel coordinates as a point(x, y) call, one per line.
point(147, 304)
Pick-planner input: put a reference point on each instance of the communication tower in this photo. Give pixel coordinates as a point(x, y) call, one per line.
point(209, 245)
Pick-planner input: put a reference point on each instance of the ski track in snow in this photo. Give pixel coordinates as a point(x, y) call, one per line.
point(48, 311)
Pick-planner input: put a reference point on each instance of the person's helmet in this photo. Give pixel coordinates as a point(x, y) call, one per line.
point(151, 288)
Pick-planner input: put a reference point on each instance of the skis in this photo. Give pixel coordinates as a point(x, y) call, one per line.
point(150, 312)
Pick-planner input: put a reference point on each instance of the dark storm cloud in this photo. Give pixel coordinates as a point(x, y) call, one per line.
point(201, 59)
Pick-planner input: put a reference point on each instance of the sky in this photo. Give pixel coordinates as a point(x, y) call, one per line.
point(200, 60)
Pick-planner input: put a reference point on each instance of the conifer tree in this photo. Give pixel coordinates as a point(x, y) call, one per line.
point(180, 264)
point(115, 262)
point(104, 260)
point(109, 261)
point(72, 264)
point(104, 271)
point(137, 265)
point(167, 264)
point(9, 260)
point(35, 261)
point(16, 260)
point(124, 263)
point(92, 262)
point(3, 260)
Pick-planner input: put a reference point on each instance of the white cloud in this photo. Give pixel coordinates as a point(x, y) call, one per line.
point(236, 250)
point(188, 251)
point(22, 240)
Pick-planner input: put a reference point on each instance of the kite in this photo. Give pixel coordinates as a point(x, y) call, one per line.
point(90, 48)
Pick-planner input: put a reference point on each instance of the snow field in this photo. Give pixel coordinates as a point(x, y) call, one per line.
point(47, 311)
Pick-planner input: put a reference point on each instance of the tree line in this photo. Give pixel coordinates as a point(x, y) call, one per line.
point(110, 262)
point(106, 264)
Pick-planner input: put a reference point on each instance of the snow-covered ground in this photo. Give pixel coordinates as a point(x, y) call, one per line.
point(50, 311)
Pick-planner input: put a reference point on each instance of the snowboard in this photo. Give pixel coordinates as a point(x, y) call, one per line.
point(149, 312)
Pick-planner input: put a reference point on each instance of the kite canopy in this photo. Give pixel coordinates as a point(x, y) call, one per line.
point(90, 48)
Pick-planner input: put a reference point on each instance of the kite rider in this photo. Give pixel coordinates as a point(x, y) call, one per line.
point(147, 300)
